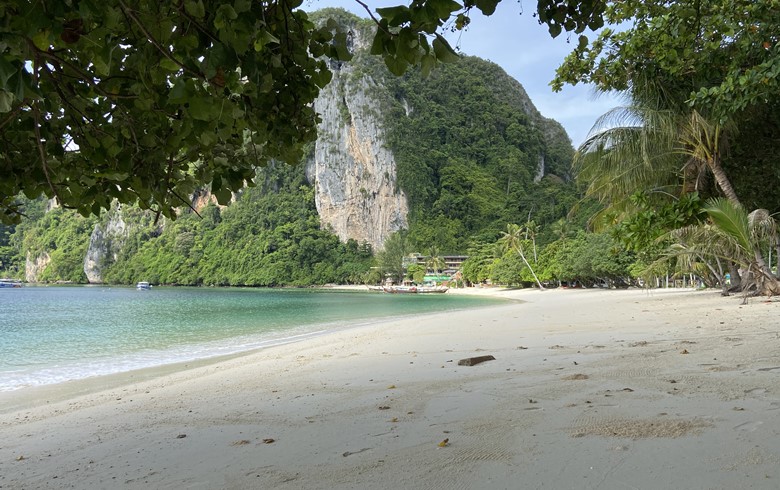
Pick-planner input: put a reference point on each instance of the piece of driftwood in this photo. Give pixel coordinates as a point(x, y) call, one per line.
point(473, 361)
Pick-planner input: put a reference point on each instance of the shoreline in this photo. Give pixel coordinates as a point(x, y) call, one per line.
point(69, 368)
point(588, 389)
point(27, 397)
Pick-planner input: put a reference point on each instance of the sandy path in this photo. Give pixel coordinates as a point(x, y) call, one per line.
point(590, 389)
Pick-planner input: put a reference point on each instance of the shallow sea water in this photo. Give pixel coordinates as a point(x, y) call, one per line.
point(54, 334)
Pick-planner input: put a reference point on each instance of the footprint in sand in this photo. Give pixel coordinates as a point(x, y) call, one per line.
point(748, 426)
point(756, 391)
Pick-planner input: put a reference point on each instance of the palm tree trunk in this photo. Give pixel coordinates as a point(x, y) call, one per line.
point(777, 258)
point(768, 284)
point(736, 278)
point(522, 256)
point(723, 181)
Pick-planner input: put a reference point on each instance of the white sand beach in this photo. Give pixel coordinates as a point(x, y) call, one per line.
point(589, 389)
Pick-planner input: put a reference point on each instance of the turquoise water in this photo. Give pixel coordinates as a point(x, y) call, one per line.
point(54, 334)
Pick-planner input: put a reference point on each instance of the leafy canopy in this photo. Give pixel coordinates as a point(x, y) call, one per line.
point(143, 101)
point(726, 53)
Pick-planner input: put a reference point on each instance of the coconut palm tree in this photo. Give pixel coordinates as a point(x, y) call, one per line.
point(735, 235)
point(513, 239)
point(661, 152)
point(435, 261)
point(630, 149)
point(531, 229)
point(640, 148)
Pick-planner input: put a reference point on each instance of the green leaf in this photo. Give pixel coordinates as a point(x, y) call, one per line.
point(264, 38)
point(223, 196)
point(427, 64)
point(6, 101)
point(41, 40)
point(378, 45)
point(169, 65)
point(20, 86)
point(207, 138)
point(444, 51)
point(732, 219)
point(395, 16)
point(242, 6)
point(203, 108)
point(225, 14)
point(396, 65)
point(7, 70)
point(488, 7)
point(195, 9)
point(444, 8)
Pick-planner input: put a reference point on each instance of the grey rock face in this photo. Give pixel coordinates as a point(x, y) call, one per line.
point(105, 243)
point(35, 265)
point(353, 172)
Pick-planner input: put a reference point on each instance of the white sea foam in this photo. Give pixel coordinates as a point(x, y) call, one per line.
point(14, 379)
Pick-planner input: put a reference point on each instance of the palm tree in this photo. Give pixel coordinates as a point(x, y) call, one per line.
point(531, 230)
point(512, 239)
point(562, 228)
point(663, 153)
point(435, 261)
point(639, 148)
point(735, 235)
point(703, 140)
point(630, 149)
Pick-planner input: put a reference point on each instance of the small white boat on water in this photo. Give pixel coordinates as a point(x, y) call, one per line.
point(10, 283)
point(143, 286)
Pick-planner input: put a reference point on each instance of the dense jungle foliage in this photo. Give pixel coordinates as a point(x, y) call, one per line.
point(469, 158)
point(270, 236)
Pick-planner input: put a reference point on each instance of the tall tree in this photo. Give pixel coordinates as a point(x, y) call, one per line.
point(723, 54)
point(698, 71)
point(513, 239)
point(391, 258)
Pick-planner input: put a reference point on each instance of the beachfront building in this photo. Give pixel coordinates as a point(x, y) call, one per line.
point(441, 271)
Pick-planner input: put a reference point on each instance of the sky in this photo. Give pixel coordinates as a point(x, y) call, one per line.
point(513, 39)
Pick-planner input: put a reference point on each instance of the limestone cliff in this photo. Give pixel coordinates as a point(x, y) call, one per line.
point(353, 171)
point(107, 240)
point(34, 265)
point(447, 157)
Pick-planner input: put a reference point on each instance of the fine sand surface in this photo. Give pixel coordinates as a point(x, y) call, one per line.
point(589, 389)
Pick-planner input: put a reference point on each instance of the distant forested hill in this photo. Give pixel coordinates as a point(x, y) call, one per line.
point(474, 154)
point(461, 154)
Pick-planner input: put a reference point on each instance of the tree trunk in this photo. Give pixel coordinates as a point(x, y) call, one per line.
point(522, 256)
point(766, 282)
point(723, 181)
point(735, 283)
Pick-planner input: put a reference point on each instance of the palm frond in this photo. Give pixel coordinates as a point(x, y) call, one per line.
point(732, 220)
point(629, 149)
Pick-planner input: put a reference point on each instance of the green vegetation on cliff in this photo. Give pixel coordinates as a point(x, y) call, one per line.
point(270, 236)
point(471, 153)
point(468, 155)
